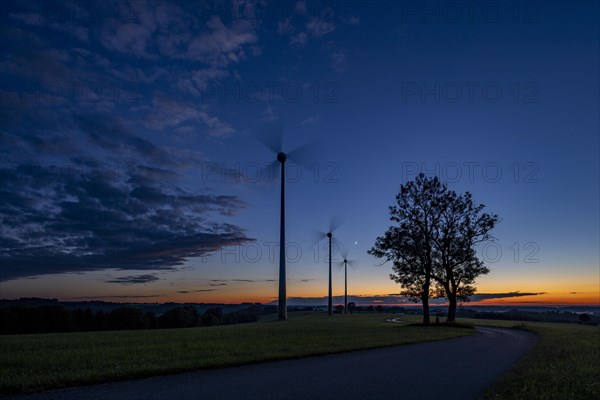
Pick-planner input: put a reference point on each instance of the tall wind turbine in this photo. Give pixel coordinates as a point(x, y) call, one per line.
point(282, 302)
point(272, 138)
point(330, 303)
point(333, 225)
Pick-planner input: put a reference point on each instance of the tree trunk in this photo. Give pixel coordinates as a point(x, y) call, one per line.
point(425, 301)
point(451, 307)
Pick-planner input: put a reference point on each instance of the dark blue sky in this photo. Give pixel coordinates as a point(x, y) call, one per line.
point(124, 128)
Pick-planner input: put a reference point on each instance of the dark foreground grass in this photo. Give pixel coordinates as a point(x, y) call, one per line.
point(46, 361)
point(565, 364)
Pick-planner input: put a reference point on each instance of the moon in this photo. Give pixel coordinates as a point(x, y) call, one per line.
point(356, 242)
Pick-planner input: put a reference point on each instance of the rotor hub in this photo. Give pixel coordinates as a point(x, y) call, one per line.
point(329, 235)
point(281, 157)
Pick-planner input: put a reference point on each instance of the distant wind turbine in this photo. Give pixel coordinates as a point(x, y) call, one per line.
point(345, 263)
point(333, 225)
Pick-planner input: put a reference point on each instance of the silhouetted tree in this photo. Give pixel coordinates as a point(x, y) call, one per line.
point(250, 314)
point(212, 316)
point(339, 309)
point(256, 310)
point(151, 320)
point(584, 317)
point(409, 243)
point(179, 317)
point(370, 308)
point(100, 321)
point(57, 318)
point(269, 310)
point(351, 307)
point(126, 318)
point(82, 320)
point(54, 318)
point(432, 245)
point(462, 225)
point(9, 321)
point(379, 309)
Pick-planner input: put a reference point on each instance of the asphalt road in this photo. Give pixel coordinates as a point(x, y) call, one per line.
point(460, 368)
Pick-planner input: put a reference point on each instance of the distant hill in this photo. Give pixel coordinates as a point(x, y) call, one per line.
point(107, 306)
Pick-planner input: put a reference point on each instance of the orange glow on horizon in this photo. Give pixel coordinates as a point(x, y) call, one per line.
point(547, 299)
point(546, 290)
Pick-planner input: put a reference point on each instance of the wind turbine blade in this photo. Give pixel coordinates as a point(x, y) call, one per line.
point(318, 235)
point(304, 154)
point(334, 223)
point(344, 253)
point(336, 245)
point(337, 242)
point(270, 135)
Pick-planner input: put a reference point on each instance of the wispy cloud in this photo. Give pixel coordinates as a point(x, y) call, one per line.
point(270, 115)
point(350, 20)
point(300, 7)
point(321, 25)
point(488, 296)
point(285, 27)
point(338, 61)
point(134, 279)
point(132, 296)
point(222, 45)
point(300, 39)
point(196, 291)
point(167, 112)
point(311, 120)
point(224, 282)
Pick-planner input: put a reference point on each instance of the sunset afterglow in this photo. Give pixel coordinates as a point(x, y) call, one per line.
point(133, 168)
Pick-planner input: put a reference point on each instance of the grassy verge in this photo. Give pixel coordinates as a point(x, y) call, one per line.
point(37, 362)
point(565, 364)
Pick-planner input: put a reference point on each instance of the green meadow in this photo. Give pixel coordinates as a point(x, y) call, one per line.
point(47, 361)
point(565, 364)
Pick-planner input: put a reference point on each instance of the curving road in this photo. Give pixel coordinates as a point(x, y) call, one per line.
point(460, 368)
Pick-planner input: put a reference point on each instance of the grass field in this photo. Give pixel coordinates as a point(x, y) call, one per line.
point(37, 362)
point(565, 364)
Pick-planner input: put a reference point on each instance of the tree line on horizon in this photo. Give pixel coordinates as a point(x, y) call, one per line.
point(58, 318)
point(431, 243)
